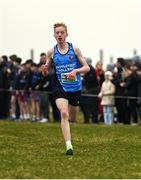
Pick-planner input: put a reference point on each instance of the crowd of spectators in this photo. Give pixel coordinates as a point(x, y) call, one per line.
point(108, 96)
point(24, 91)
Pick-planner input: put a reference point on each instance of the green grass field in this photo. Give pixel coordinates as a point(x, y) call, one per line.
point(33, 150)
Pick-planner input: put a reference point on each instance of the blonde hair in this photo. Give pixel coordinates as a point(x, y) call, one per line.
point(59, 25)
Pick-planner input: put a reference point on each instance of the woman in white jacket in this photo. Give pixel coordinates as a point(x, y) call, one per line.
point(107, 96)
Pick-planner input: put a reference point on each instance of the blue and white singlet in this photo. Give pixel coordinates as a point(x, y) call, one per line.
point(63, 64)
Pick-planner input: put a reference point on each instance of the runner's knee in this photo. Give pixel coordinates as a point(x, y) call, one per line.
point(64, 114)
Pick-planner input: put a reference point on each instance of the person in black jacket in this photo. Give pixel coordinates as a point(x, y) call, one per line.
point(130, 85)
point(138, 73)
point(120, 103)
point(4, 87)
point(89, 104)
point(14, 68)
point(47, 98)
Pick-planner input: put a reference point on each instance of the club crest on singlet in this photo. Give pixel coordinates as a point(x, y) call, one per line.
point(71, 58)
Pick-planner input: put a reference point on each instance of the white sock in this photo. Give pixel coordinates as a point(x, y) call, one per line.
point(68, 143)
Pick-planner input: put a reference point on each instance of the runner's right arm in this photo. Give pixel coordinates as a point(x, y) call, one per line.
point(47, 65)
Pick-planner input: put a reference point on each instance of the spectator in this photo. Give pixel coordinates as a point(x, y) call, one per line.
point(47, 98)
point(14, 103)
point(138, 72)
point(44, 87)
point(100, 77)
point(4, 86)
point(33, 85)
point(21, 86)
point(90, 107)
point(12, 58)
point(107, 95)
point(118, 80)
point(130, 85)
point(42, 59)
point(28, 64)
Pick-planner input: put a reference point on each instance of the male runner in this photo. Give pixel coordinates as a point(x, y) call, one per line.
point(68, 63)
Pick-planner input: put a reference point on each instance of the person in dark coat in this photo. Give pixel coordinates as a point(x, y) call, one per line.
point(138, 73)
point(89, 104)
point(120, 103)
point(4, 87)
point(131, 93)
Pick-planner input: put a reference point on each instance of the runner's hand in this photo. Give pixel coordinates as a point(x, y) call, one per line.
point(71, 75)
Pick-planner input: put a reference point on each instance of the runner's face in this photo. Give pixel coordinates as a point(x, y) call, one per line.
point(60, 34)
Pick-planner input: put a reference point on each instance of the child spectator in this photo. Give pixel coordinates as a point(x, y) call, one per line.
point(106, 93)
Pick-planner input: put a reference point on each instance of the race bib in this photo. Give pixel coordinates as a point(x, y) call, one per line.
point(64, 78)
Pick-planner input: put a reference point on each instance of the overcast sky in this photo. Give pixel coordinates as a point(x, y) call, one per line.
point(111, 25)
